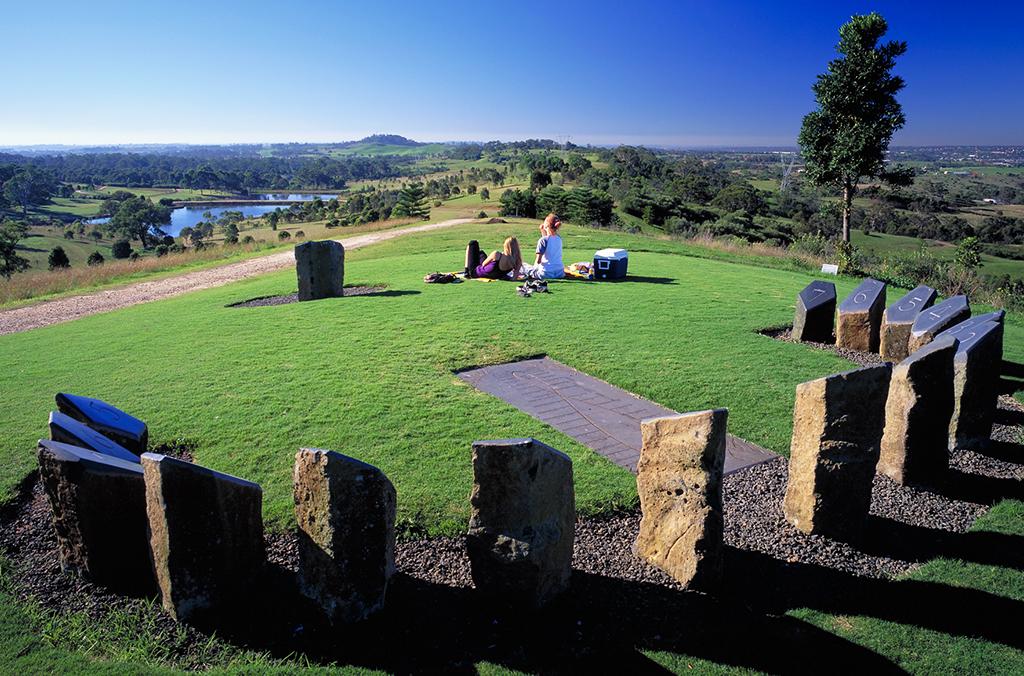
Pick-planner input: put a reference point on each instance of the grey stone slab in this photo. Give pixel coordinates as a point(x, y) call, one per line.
point(860, 317)
point(898, 320)
point(106, 419)
point(968, 326)
point(937, 319)
point(815, 312)
point(601, 416)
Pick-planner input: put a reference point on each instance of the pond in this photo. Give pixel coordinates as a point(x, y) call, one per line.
point(188, 217)
point(294, 196)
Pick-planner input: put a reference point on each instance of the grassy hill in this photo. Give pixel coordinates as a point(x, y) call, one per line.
point(882, 243)
point(36, 249)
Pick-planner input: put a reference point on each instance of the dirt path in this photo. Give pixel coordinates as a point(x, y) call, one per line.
point(74, 307)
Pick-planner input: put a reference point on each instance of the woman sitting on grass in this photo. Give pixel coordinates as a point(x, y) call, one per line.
point(549, 252)
point(507, 264)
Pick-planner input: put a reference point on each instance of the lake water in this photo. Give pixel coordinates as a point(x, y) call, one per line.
point(189, 217)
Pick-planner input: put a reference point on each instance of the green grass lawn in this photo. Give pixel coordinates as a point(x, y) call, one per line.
point(372, 377)
point(882, 243)
point(36, 249)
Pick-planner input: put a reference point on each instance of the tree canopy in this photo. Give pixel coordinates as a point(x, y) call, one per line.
point(10, 262)
point(412, 202)
point(136, 217)
point(847, 137)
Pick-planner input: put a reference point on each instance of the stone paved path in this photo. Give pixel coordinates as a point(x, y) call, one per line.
point(73, 307)
point(598, 415)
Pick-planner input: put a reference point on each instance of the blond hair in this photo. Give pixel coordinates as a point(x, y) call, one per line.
point(511, 247)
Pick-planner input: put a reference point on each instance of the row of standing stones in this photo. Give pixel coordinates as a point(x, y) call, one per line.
point(197, 534)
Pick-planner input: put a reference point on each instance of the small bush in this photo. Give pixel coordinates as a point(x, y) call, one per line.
point(299, 234)
point(248, 239)
point(69, 234)
point(167, 240)
point(283, 235)
point(122, 249)
point(95, 258)
point(134, 256)
point(482, 214)
point(96, 235)
point(162, 250)
point(437, 203)
point(176, 248)
point(58, 259)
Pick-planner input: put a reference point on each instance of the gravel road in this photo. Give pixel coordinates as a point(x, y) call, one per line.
point(74, 307)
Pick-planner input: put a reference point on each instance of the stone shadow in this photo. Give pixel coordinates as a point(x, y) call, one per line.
point(894, 539)
point(1012, 377)
point(600, 623)
point(982, 490)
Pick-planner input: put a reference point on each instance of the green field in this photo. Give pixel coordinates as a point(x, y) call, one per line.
point(36, 249)
point(882, 243)
point(372, 377)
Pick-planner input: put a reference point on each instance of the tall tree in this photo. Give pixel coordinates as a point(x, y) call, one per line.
point(846, 138)
point(412, 202)
point(136, 218)
point(10, 262)
point(29, 187)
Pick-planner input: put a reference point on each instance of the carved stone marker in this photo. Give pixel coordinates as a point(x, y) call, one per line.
point(976, 370)
point(346, 515)
point(815, 312)
point(837, 432)
point(206, 536)
point(937, 319)
point(917, 414)
point(99, 515)
point(108, 420)
point(860, 317)
point(523, 518)
point(321, 269)
point(679, 480)
point(898, 320)
point(971, 323)
point(69, 431)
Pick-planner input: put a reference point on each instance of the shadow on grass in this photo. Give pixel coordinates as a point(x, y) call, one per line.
point(1012, 380)
point(894, 539)
point(602, 623)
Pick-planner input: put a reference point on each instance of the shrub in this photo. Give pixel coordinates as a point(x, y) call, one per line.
point(482, 214)
point(162, 250)
point(134, 256)
point(176, 248)
point(69, 234)
point(299, 234)
point(283, 235)
point(248, 239)
point(96, 235)
point(95, 258)
point(58, 259)
point(437, 203)
point(968, 254)
point(167, 240)
point(122, 249)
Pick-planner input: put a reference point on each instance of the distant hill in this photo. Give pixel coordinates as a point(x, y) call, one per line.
point(389, 140)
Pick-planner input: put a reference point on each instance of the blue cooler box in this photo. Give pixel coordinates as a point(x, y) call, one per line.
point(610, 263)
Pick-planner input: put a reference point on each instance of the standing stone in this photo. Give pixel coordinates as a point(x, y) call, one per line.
point(69, 431)
point(321, 269)
point(346, 515)
point(837, 432)
point(860, 317)
point(917, 414)
point(937, 319)
point(898, 320)
point(815, 311)
point(523, 519)
point(971, 323)
point(108, 420)
point(976, 369)
point(679, 480)
point(205, 536)
point(99, 514)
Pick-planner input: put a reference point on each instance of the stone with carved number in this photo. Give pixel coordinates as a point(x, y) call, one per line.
point(936, 319)
point(860, 317)
point(815, 312)
point(976, 369)
point(898, 319)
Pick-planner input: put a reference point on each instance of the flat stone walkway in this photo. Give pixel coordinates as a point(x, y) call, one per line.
point(598, 415)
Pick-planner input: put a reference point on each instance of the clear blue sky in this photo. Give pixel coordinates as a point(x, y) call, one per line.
point(684, 73)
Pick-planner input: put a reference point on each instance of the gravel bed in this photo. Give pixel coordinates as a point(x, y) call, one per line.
point(267, 301)
point(856, 356)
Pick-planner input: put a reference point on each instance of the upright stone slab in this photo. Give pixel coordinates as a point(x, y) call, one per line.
point(346, 515)
point(205, 536)
point(937, 319)
point(898, 320)
point(837, 432)
point(522, 524)
point(815, 312)
point(860, 317)
point(99, 515)
point(321, 269)
point(110, 421)
point(917, 414)
point(67, 430)
point(976, 370)
point(679, 480)
point(971, 323)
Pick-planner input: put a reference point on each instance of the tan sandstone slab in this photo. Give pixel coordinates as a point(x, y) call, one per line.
point(679, 481)
point(860, 317)
point(837, 432)
point(898, 320)
point(345, 511)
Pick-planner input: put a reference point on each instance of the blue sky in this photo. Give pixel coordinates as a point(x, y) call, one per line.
point(669, 73)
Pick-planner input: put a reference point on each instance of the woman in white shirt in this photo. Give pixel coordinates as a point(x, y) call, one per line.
point(548, 264)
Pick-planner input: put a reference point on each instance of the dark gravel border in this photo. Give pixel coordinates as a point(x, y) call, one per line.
point(268, 301)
